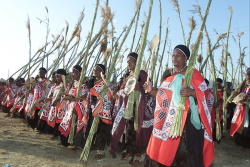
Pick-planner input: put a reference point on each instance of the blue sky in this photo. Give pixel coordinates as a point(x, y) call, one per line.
point(14, 34)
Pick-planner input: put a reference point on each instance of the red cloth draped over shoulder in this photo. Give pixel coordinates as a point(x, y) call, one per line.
point(240, 110)
point(95, 91)
point(163, 151)
point(239, 114)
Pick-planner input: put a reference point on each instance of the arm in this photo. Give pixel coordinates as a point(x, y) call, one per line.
point(149, 88)
point(186, 92)
point(153, 92)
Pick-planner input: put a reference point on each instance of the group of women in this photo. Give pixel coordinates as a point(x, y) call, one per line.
point(68, 110)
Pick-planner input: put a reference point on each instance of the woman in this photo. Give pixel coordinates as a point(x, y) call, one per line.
point(44, 111)
point(18, 104)
point(2, 91)
point(73, 105)
point(29, 94)
point(56, 115)
point(40, 90)
point(240, 128)
point(11, 91)
point(195, 146)
point(101, 106)
point(134, 141)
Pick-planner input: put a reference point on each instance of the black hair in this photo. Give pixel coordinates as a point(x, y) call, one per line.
point(78, 68)
point(61, 72)
point(133, 54)
point(103, 68)
point(184, 49)
point(207, 81)
point(43, 69)
point(22, 80)
point(219, 80)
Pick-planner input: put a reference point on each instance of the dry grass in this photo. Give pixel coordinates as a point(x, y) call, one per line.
point(22, 146)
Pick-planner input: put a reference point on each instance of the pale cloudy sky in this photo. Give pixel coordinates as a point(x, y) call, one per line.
point(14, 45)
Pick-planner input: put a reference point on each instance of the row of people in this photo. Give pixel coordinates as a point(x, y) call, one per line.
point(60, 108)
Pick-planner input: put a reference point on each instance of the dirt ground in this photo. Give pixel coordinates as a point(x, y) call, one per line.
point(22, 146)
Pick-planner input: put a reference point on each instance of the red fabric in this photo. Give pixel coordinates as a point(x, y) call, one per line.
point(19, 98)
point(95, 91)
point(210, 93)
point(236, 125)
point(164, 151)
point(11, 92)
point(54, 110)
point(70, 107)
point(39, 93)
point(239, 114)
point(52, 113)
point(28, 102)
point(46, 110)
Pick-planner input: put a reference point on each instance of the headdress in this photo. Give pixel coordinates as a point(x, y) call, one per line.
point(102, 67)
point(77, 68)
point(133, 55)
point(184, 49)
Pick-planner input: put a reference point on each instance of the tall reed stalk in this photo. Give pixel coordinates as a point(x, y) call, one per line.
point(176, 129)
point(224, 116)
point(177, 8)
point(156, 56)
point(216, 46)
point(136, 25)
point(161, 58)
point(192, 25)
point(241, 57)
point(29, 35)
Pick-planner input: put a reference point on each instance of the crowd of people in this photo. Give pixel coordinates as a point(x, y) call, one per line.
point(65, 108)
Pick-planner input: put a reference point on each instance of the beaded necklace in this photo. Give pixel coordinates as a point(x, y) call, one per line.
point(174, 72)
